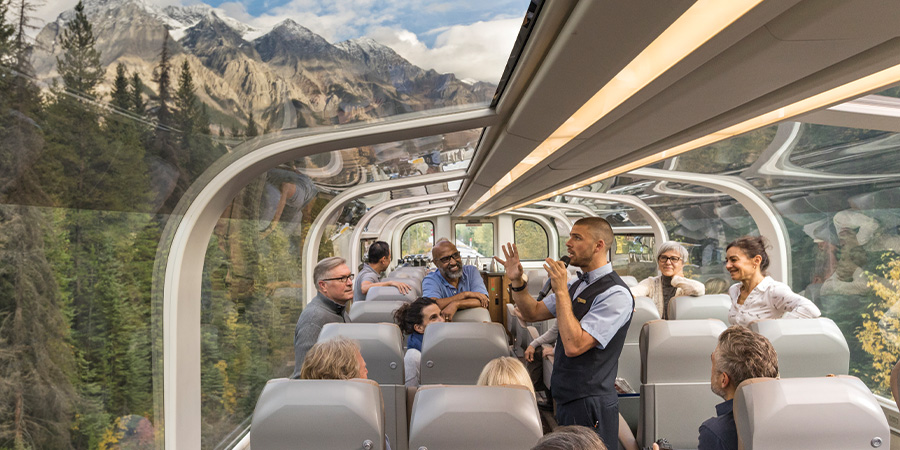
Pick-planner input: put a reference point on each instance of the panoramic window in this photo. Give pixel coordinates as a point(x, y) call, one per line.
point(531, 240)
point(475, 240)
point(417, 239)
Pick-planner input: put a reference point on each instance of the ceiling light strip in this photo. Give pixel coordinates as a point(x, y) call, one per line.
point(702, 21)
point(852, 89)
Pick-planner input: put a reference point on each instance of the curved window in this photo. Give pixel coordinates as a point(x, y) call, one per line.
point(531, 240)
point(475, 240)
point(417, 238)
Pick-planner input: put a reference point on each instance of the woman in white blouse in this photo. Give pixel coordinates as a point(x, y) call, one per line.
point(671, 258)
point(757, 296)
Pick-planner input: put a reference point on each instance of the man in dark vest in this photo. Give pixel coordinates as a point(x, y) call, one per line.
point(593, 314)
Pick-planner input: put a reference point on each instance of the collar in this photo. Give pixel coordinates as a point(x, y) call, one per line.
point(596, 274)
point(724, 407)
point(765, 284)
point(330, 304)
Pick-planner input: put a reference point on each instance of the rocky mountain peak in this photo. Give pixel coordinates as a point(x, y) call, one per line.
point(290, 41)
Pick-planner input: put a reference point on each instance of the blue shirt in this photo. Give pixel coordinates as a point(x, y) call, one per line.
point(609, 310)
point(720, 432)
point(435, 286)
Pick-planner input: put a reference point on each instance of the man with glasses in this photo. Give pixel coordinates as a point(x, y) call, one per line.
point(454, 285)
point(334, 282)
point(671, 258)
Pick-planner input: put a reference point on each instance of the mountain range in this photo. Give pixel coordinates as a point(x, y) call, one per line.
point(287, 76)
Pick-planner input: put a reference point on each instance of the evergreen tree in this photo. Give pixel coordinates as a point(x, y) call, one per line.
point(138, 106)
point(252, 129)
point(79, 65)
point(186, 104)
point(121, 97)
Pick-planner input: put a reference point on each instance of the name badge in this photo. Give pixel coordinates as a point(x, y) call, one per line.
point(580, 300)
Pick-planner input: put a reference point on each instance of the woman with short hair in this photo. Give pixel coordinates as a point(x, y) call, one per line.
point(670, 258)
point(334, 359)
point(504, 371)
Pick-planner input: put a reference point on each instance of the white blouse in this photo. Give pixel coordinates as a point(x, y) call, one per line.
point(770, 299)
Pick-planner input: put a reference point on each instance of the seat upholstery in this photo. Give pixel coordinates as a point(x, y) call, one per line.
point(381, 345)
point(461, 417)
point(807, 347)
point(389, 293)
point(455, 353)
point(675, 373)
point(300, 414)
point(382, 349)
point(630, 359)
point(374, 312)
point(821, 413)
point(536, 280)
point(714, 306)
point(510, 319)
point(629, 280)
point(472, 315)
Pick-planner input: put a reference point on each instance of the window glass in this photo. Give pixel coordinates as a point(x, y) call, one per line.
point(531, 240)
point(475, 240)
point(635, 255)
point(417, 239)
point(562, 229)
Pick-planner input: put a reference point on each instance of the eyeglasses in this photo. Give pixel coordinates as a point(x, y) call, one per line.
point(344, 279)
point(663, 259)
point(446, 259)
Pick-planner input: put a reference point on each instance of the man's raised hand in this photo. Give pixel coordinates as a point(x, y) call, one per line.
point(513, 267)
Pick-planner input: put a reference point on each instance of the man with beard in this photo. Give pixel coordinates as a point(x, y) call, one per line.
point(335, 284)
point(593, 314)
point(454, 286)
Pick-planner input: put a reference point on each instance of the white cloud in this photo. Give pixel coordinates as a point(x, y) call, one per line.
point(478, 51)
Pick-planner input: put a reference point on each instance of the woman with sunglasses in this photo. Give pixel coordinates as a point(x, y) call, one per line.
point(671, 258)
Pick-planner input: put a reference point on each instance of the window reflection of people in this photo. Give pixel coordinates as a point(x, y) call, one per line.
point(757, 296)
point(293, 191)
point(671, 258)
point(379, 258)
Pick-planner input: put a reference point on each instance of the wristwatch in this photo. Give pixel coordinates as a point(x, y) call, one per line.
point(522, 287)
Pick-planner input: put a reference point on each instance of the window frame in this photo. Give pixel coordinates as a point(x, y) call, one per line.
point(407, 227)
point(546, 237)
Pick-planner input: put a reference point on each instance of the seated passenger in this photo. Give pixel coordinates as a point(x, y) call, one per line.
point(379, 257)
point(715, 285)
point(335, 284)
point(671, 258)
point(334, 359)
point(757, 296)
point(505, 370)
point(740, 355)
point(413, 318)
point(570, 437)
point(536, 349)
point(454, 285)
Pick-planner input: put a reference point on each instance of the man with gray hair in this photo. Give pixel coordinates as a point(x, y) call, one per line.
point(334, 281)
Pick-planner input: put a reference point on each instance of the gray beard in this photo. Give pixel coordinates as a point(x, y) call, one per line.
point(452, 276)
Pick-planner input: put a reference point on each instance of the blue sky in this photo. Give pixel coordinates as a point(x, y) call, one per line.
point(470, 38)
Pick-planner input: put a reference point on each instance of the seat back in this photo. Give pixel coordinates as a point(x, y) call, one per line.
point(374, 312)
point(389, 293)
point(806, 347)
point(630, 359)
point(714, 306)
point(629, 280)
point(821, 413)
point(459, 417)
point(381, 345)
point(455, 353)
point(510, 319)
point(536, 280)
point(414, 283)
point(675, 373)
point(289, 412)
point(472, 315)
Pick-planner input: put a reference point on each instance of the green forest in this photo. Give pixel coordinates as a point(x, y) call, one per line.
point(87, 183)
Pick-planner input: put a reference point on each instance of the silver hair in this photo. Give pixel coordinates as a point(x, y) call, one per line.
point(324, 266)
point(672, 245)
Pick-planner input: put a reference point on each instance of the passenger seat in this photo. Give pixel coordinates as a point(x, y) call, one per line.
point(389, 293)
point(806, 347)
point(455, 353)
point(474, 417)
point(815, 413)
point(289, 412)
point(715, 306)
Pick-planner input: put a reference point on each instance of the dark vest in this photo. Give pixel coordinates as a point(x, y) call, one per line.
point(593, 373)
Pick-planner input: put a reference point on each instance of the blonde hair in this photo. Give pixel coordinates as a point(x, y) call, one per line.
point(334, 359)
point(505, 370)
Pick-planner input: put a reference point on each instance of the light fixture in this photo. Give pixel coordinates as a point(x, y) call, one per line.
point(703, 20)
point(865, 84)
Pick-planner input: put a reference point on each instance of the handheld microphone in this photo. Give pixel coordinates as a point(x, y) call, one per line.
point(546, 289)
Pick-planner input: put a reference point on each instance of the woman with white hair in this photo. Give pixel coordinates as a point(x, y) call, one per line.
point(671, 258)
